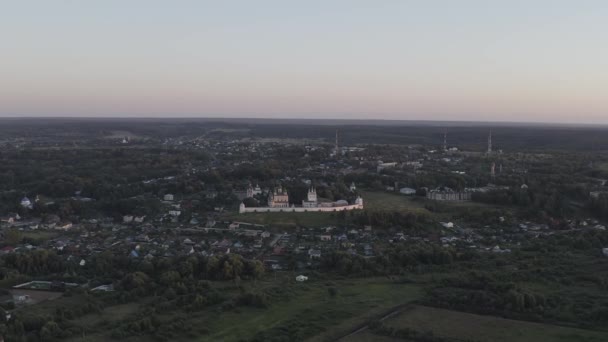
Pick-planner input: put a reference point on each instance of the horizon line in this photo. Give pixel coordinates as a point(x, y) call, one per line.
point(262, 118)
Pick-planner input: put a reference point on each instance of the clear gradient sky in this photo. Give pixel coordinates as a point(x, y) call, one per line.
point(507, 60)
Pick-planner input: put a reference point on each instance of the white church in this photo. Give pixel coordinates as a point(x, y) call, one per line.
point(278, 201)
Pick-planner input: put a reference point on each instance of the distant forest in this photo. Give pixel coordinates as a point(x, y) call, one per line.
point(465, 136)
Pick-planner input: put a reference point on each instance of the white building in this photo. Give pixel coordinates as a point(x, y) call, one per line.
point(251, 191)
point(26, 203)
point(321, 207)
point(311, 200)
point(407, 191)
point(168, 197)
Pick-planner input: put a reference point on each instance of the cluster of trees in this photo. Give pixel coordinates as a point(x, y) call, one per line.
point(393, 260)
point(35, 263)
point(482, 293)
point(599, 206)
point(181, 275)
point(178, 284)
point(25, 326)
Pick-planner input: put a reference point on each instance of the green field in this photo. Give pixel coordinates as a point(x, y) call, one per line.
point(312, 311)
point(466, 326)
point(39, 235)
point(392, 201)
point(602, 166)
point(285, 220)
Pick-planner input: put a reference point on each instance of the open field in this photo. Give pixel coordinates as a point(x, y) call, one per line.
point(312, 311)
point(466, 326)
point(392, 201)
point(42, 235)
point(603, 166)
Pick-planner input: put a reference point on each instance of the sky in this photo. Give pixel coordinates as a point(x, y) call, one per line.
point(470, 60)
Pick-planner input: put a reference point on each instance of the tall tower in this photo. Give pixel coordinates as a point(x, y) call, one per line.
point(445, 140)
point(493, 170)
point(312, 194)
point(490, 143)
point(336, 147)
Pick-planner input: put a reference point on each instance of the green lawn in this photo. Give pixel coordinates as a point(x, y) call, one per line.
point(285, 220)
point(41, 235)
point(603, 166)
point(311, 311)
point(460, 325)
point(392, 201)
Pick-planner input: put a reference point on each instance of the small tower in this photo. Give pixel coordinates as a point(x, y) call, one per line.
point(242, 208)
point(493, 170)
point(359, 201)
point(312, 195)
point(353, 188)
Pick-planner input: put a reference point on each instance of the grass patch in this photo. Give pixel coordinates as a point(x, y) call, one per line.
point(392, 201)
point(286, 220)
point(310, 310)
point(466, 326)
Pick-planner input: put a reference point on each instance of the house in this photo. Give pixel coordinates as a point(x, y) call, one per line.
point(11, 218)
point(65, 225)
point(8, 219)
point(7, 250)
point(211, 194)
point(104, 288)
point(168, 197)
point(325, 237)
point(407, 191)
point(127, 219)
point(605, 251)
point(175, 213)
point(301, 278)
point(233, 226)
point(26, 203)
point(314, 253)
point(139, 219)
